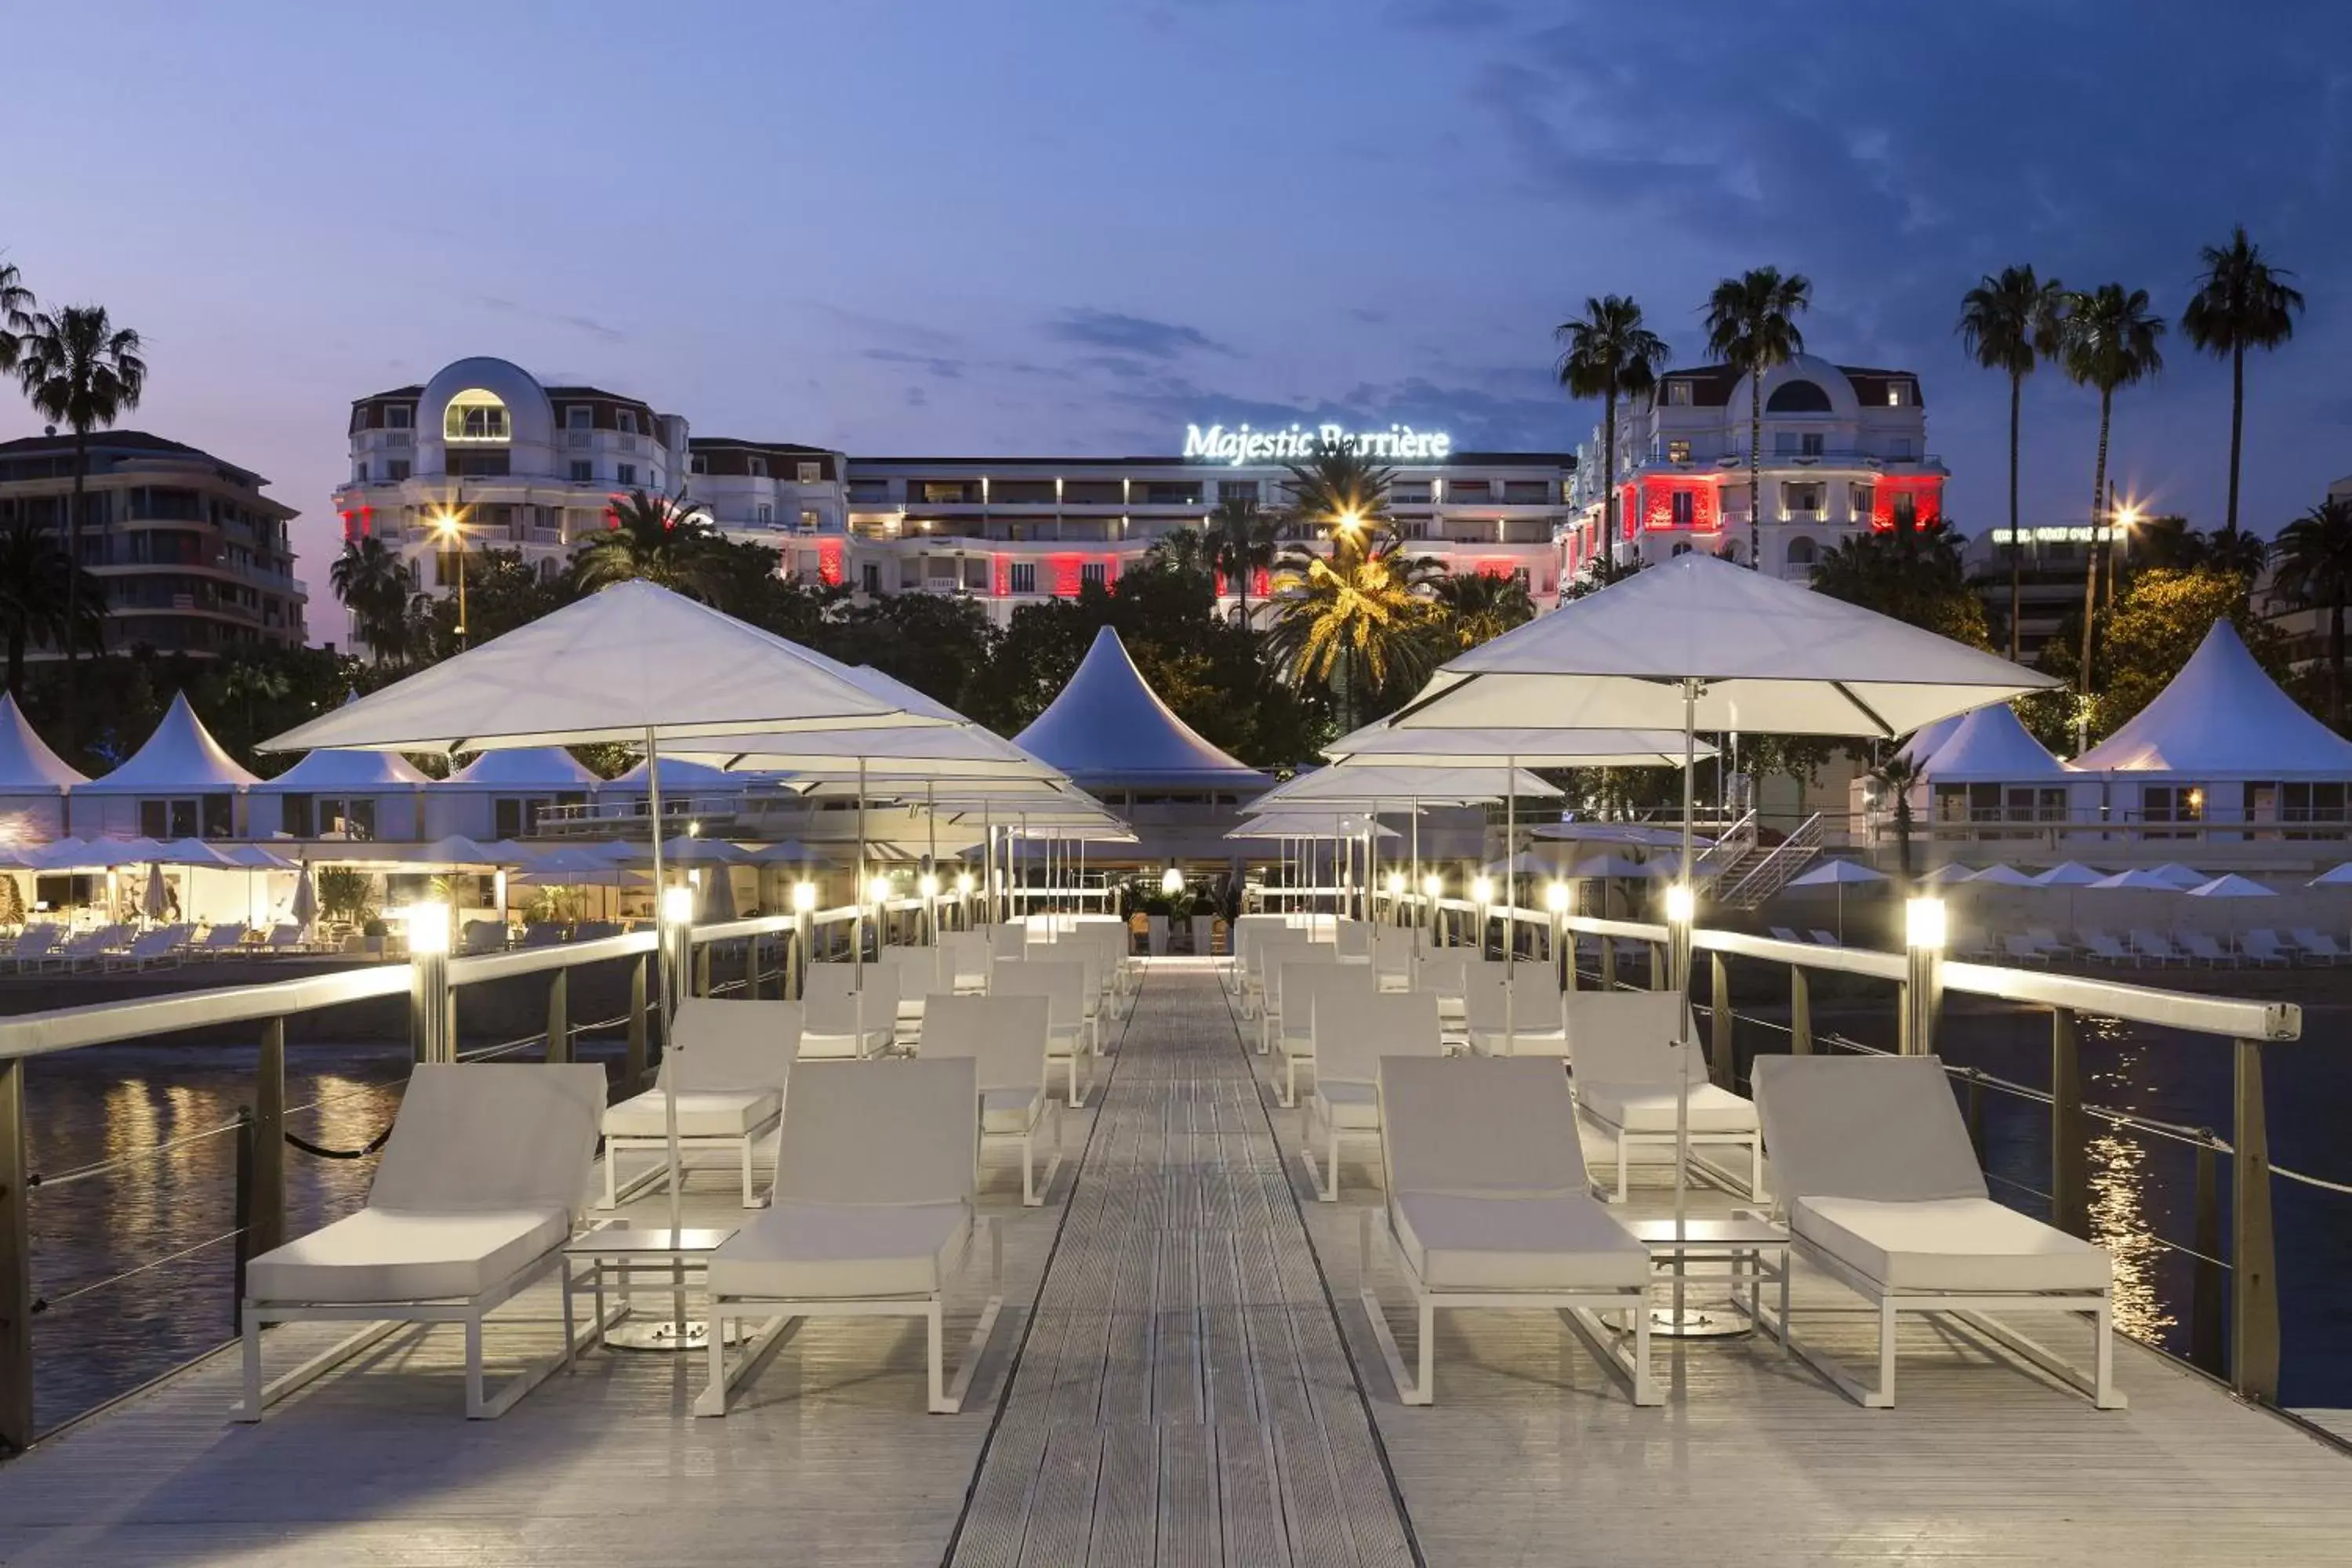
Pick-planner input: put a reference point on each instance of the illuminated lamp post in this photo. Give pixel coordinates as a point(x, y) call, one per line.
point(449, 524)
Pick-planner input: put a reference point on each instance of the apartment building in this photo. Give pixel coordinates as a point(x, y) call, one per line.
point(195, 558)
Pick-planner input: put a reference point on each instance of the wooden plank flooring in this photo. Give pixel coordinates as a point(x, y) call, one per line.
point(1184, 1394)
point(1184, 1397)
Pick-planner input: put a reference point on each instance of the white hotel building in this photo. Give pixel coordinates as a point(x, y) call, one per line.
point(535, 468)
point(1843, 449)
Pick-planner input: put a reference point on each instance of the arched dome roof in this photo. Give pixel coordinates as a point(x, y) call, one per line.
point(530, 416)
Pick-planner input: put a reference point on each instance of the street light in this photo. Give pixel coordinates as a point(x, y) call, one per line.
point(449, 523)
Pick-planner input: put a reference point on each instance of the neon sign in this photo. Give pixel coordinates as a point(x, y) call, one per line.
point(1240, 445)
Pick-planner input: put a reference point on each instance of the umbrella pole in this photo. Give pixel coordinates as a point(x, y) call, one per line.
point(857, 945)
point(931, 862)
point(670, 980)
point(1510, 907)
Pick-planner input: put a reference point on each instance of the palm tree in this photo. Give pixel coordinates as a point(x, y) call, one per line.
point(1478, 606)
point(658, 540)
point(1358, 620)
point(2009, 324)
point(1895, 777)
point(15, 313)
point(1751, 324)
point(83, 372)
point(1183, 550)
point(34, 593)
point(2242, 302)
point(1241, 544)
point(1610, 354)
point(2108, 338)
point(2314, 568)
point(373, 583)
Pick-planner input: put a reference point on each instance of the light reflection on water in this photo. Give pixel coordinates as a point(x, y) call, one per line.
point(2116, 1161)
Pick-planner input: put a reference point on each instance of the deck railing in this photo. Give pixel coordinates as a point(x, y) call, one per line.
point(764, 953)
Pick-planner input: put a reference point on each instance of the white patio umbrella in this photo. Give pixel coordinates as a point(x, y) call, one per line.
point(305, 908)
point(1949, 871)
point(2067, 874)
point(2230, 886)
point(1841, 875)
point(2138, 879)
point(2002, 875)
point(635, 664)
point(1641, 835)
point(2180, 876)
point(2340, 876)
point(1697, 644)
point(155, 902)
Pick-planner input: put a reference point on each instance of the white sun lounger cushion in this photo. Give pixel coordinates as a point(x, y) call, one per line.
point(1005, 1036)
point(1569, 1243)
point(1597, 1019)
point(385, 1255)
point(1501, 1127)
point(1348, 1106)
point(1951, 1244)
point(1355, 1028)
point(701, 1113)
point(492, 1138)
point(1304, 985)
point(1883, 1128)
point(822, 1250)
point(732, 1045)
point(1645, 1108)
point(887, 1133)
point(1010, 1110)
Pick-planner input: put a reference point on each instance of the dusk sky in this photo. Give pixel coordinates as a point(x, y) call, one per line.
point(1046, 228)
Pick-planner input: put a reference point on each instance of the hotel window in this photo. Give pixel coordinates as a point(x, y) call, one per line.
point(583, 471)
point(1900, 449)
point(1805, 497)
point(396, 470)
point(626, 474)
point(810, 521)
point(763, 514)
point(1860, 500)
point(628, 421)
point(358, 472)
point(579, 416)
point(869, 577)
point(1810, 446)
point(1685, 508)
point(1020, 577)
point(1678, 451)
point(1784, 443)
point(1678, 394)
point(942, 492)
point(475, 415)
point(1091, 574)
point(759, 467)
point(1237, 489)
point(398, 417)
point(811, 473)
point(697, 464)
point(1899, 394)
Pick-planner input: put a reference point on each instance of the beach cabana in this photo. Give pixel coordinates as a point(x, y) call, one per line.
point(341, 794)
point(33, 781)
point(1989, 775)
point(501, 794)
point(180, 784)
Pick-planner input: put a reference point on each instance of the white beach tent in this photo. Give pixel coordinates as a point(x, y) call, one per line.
point(388, 781)
point(1107, 727)
point(1696, 643)
point(180, 763)
point(1990, 746)
point(515, 784)
point(33, 780)
point(636, 664)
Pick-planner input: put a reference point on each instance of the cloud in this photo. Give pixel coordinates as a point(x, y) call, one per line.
point(943, 368)
point(915, 397)
point(589, 325)
point(1125, 334)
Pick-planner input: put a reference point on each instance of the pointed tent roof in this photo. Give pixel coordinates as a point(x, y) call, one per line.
point(678, 773)
point(2221, 716)
point(26, 764)
point(525, 767)
point(1928, 740)
point(328, 769)
point(180, 756)
point(1990, 744)
point(1109, 726)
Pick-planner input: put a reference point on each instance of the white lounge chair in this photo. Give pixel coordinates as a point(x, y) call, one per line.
point(919, 974)
point(873, 1213)
point(2317, 946)
point(1782, 933)
point(157, 949)
point(2153, 947)
point(219, 941)
point(1537, 1026)
point(35, 942)
point(964, 962)
point(2263, 945)
point(1623, 1045)
point(472, 1202)
point(2024, 950)
point(286, 938)
point(1005, 1037)
point(728, 1064)
point(1489, 1206)
point(1353, 1030)
point(1393, 950)
point(2202, 948)
point(2047, 940)
point(1826, 939)
point(90, 946)
point(852, 1009)
point(1276, 960)
point(1882, 1193)
point(1304, 986)
point(1062, 981)
point(2100, 946)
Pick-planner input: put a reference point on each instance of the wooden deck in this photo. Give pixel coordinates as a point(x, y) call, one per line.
point(1184, 1391)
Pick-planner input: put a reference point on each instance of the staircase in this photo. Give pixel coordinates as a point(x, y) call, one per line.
point(1732, 847)
point(1748, 883)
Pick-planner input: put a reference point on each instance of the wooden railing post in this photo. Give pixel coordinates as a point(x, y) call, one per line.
point(1608, 964)
point(634, 1066)
point(1720, 1066)
point(2070, 1198)
point(1801, 1012)
point(558, 1016)
point(702, 969)
point(266, 1229)
point(2208, 1345)
point(2254, 1304)
point(16, 1264)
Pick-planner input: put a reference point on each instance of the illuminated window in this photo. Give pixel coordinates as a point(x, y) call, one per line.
point(811, 473)
point(1804, 496)
point(1861, 500)
point(1678, 451)
point(809, 520)
point(1678, 394)
point(476, 416)
point(1020, 577)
